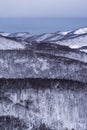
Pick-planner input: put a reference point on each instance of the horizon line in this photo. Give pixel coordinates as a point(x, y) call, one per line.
point(40, 17)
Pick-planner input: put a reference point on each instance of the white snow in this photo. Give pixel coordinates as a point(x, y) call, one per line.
point(44, 64)
point(7, 44)
point(51, 36)
point(4, 34)
point(74, 46)
point(55, 38)
point(83, 50)
point(1, 62)
point(21, 61)
point(74, 43)
point(22, 34)
point(44, 36)
point(56, 108)
point(64, 33)
point(39, 65)
point(81, 31)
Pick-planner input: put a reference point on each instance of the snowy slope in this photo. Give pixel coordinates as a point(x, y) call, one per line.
point(74, 42)
point(81, 31)
point(20, 34)
point(44, 85)
point(8, 44)
point(73, 39)
point(4, 34)
point(47, 37)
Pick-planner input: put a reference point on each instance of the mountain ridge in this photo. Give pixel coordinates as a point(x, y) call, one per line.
point(74, 39)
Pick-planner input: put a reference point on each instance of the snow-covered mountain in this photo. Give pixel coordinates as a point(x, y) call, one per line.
point(63, 45)
point(10, 44)
point(43, 81)
point(74, 39)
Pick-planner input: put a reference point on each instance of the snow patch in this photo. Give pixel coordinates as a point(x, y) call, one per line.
point(83, 50)
point(74, 43)
point(81, 31)
point(6, 44)
point(17, 61)
point(4, 34)
point(44, 64)
point(44, 36)
point(74, 46)
point(64, 33)
point(39, 65)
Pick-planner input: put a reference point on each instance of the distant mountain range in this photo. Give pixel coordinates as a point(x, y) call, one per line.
point(67, 48)
point(43, 81)
point(76, 39)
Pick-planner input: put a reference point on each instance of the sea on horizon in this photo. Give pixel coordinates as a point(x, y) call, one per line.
point(41, 25)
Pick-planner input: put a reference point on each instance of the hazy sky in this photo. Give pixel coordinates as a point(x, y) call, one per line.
point(43, 8)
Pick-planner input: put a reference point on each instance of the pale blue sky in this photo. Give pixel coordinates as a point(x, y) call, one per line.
point(43, 8)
